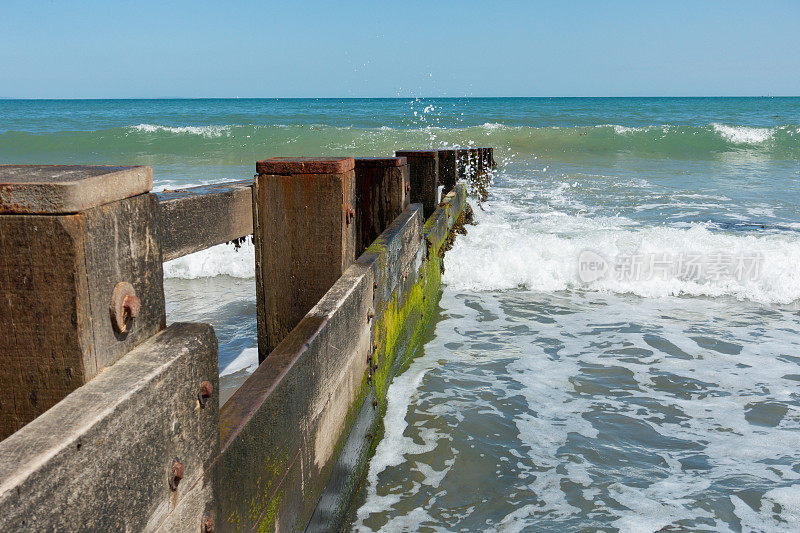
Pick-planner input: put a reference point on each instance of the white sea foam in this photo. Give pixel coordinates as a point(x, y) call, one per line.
point(541, 254)
point(246, 360)
point(743, 134)
point(460, 381)
point(204, 131)
point(220, 260)
point(622, 130)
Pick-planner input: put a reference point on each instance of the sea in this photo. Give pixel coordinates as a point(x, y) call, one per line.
point(617, 343)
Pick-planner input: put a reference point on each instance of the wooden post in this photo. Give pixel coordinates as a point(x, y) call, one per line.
point(448, 168)
point(304, 235)
point(80, 257)
point(380, 196)
point(424, 172)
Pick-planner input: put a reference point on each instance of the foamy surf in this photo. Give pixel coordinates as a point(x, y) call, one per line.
point(204, 131)
point(743, 134)
point(543, 252)
point(220, 260)
point(246, 361)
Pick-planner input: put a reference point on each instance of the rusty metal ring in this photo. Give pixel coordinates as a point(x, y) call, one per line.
point(125, 306)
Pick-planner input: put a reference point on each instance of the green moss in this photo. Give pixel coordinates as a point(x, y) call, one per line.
point(270, 515)
point(398, 332)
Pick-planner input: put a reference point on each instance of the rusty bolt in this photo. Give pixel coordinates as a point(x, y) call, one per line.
point(349, 214)
point(374, 403)
point(208, 525)
point(374, 284)
point(206, 388)
point(370, 314)
point(124, 307)
point(408, 186)
point(175, 474)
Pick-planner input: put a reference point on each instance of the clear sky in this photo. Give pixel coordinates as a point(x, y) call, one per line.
point(177, 48)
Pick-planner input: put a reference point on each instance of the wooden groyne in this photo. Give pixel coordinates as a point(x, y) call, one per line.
point(111, 421)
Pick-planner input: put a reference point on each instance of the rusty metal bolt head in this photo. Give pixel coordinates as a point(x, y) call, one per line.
point(208, 525)
point(124, 307)
point(408, 187)
point(206, 389)
point(175, 474)
point(370, 314)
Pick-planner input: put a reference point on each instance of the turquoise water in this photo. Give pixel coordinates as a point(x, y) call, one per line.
point(618, 340)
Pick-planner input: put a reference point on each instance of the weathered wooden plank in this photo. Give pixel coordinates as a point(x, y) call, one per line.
point(319, 379)
point(315, 380)
point(68, 188)
point(45, 316)
point(380, 196)
point(448, 168)
point(57, 276)
point(101, 459)
point(122, 246)
point(270, 478)
point(423, 168)
point(200, 217)
point(304, 234)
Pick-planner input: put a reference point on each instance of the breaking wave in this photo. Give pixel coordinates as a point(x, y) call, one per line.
point(235, 144)
point(542, 254)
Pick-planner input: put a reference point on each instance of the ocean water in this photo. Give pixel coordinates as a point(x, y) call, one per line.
point(617, 345)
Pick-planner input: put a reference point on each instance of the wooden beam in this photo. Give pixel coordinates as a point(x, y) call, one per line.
point(200, 217)
point(102, 458)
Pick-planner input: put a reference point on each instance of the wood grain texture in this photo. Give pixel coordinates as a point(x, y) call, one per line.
point(45, 316)
point(423, 166)
point(99, 460)
point(303, 242)
point(200, 217)
point(122, 245)
point(57, 275)
point(37, 189)
point(448, 168)
point(380, 198)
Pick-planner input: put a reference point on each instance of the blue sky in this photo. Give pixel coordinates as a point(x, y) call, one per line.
point(73, 49)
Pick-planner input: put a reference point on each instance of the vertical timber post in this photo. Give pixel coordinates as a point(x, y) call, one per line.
point(380, 196)
point(304, 235)
point(448, 168)
point(81, 279)
point(423, 166)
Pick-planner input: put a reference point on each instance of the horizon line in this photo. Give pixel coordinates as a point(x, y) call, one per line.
point(369, 97)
